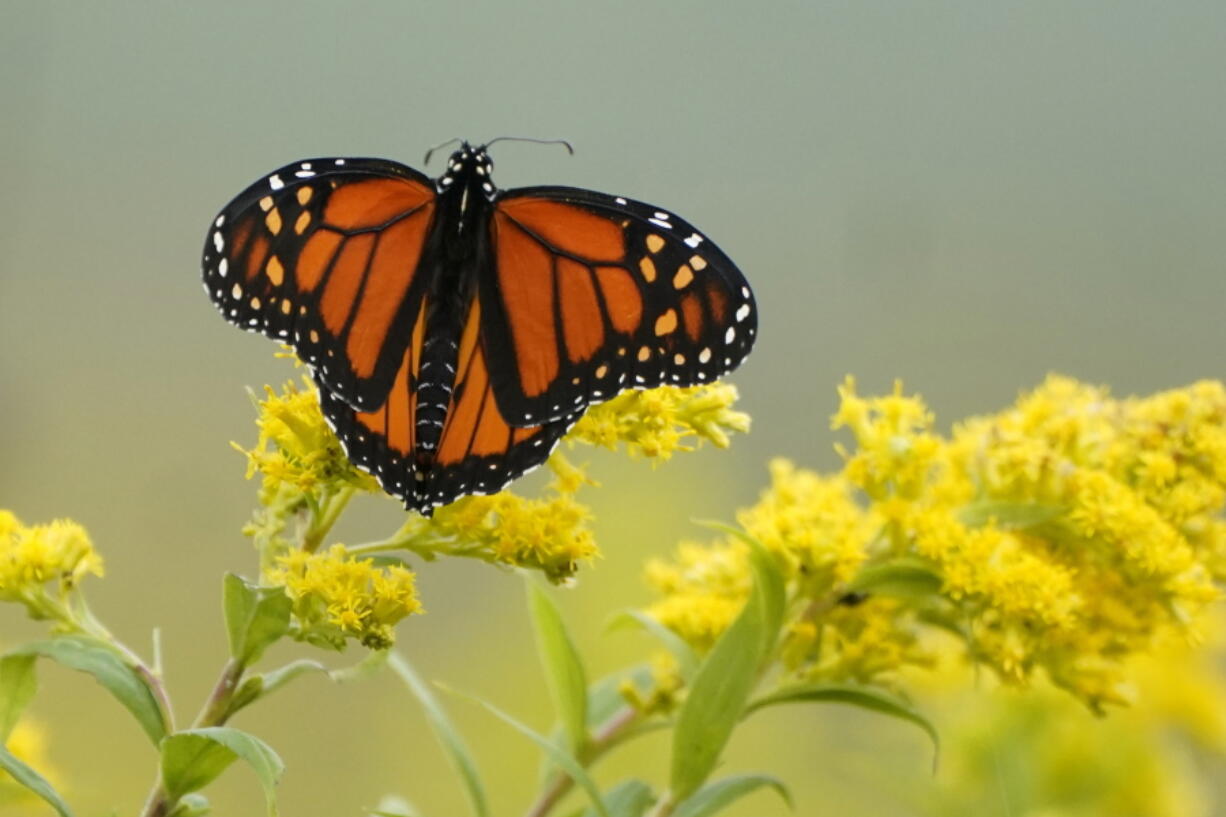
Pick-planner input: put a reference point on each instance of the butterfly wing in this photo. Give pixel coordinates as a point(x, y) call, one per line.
point(588, 294)
point(323, 255)
point(478, 452)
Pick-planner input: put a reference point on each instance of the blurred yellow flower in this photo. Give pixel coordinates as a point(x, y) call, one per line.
point(28, 744)
point(1065, 534)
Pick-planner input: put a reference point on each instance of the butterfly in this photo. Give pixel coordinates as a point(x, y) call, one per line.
point(455, 330)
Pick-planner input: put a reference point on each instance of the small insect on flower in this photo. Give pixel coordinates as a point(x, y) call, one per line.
point(455, 330)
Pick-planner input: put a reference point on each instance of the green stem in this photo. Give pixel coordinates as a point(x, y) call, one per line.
point(325, 518)
point(216, 709)
point(603, 739)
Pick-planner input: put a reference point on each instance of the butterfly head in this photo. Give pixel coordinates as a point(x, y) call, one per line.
point(471, 167)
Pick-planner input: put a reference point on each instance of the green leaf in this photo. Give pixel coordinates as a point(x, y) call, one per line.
point(714, 797)
point(193, 758)
point(255, 617)
point(562, 758)
point(687, 659)
point(17, 687)
point(33, 781)
point(874, 700)
point(721, 688)
point(1009, 515)
point(906, 578)
point(448, 737)
point(631, 798)
point(563, 667)
point(100, 660)
point(264, 684)
point(370, 666)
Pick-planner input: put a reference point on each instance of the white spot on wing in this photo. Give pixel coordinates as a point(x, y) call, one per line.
point(730, 335)
point(743, 312)
point(274, 181)
point(660, 223)
point(218, 241)
point(694, 240)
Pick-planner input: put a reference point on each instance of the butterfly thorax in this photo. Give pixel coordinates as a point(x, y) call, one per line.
point(454, 251)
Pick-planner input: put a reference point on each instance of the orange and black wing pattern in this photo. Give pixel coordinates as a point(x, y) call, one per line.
point(586, 295)
point(323, 255)
point(475, 452)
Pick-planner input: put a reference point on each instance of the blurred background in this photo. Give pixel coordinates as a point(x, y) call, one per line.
point(966, 195)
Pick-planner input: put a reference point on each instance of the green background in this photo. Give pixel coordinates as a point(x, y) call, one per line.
point(966, 195)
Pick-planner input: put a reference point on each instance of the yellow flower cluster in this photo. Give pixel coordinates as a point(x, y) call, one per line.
point(297, 450)
point(659, 422)
point(549, 534)
point(1064, 534)
point(33, 556)
point(337, 597)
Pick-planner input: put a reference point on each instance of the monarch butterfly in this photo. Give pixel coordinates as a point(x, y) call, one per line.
point(455, 330)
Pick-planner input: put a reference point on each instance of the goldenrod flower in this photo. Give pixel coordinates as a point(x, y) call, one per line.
point(658, 422)
point(550, 535)
point(339, 597)
point(1064, 534)
point(297, 449)
point(31, 557)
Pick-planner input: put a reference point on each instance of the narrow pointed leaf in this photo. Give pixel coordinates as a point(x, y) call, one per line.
point(255, 617)
point(687, 659)
point(721, 688)
point(193, 758)
point(558, 754)
point(17, 687)
point(562, 664)
point(874, 700)
point(108, 669)
point(715, 797)
point(453, 745)
point(903, 578)
point(629, 799)
point(33, 781)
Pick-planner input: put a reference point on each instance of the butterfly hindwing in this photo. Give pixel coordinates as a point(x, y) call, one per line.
point(322, 255)
point(585, 295)
point(477, 451)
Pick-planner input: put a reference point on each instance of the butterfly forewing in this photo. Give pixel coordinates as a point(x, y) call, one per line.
point(587, 295)
point(322, 255)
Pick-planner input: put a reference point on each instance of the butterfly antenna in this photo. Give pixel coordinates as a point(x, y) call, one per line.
point(569, 148)
point(439, 146)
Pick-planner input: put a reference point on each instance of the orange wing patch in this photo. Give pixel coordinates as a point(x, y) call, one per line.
point(622, 299)
point(568, 228)
point(525, 275)
point(583, 329)
point(366, 204)
point(344, 280)
point(316, 254)
point(391, 273)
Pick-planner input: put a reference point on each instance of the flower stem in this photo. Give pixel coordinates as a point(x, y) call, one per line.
point(215, 712)
point(602, 740)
